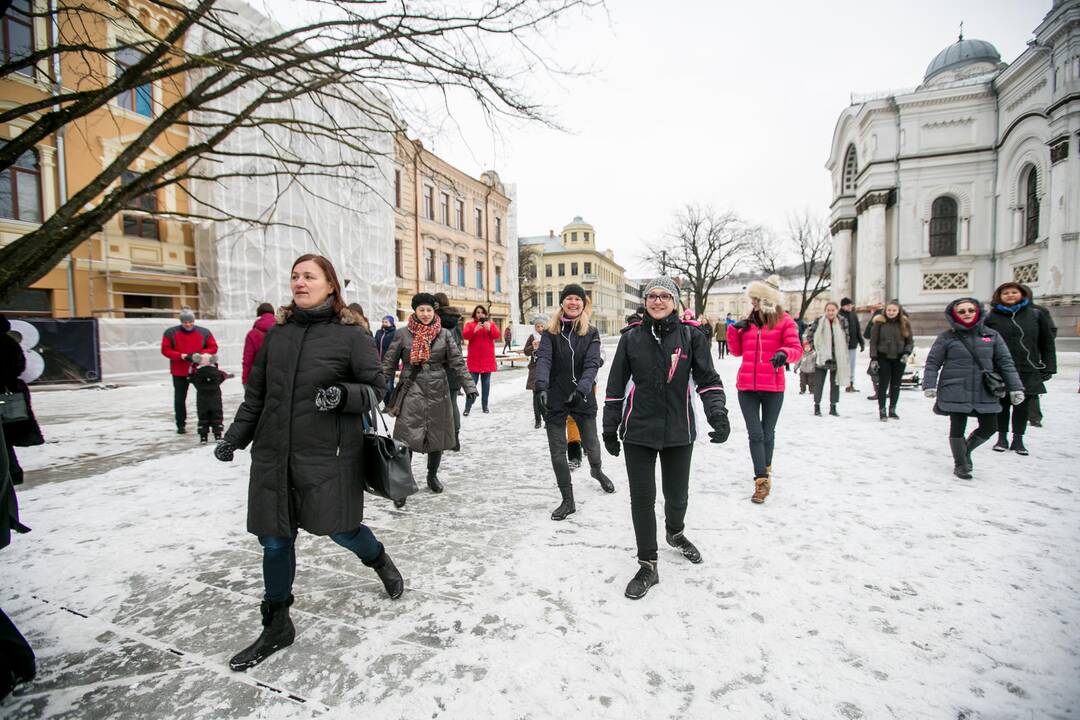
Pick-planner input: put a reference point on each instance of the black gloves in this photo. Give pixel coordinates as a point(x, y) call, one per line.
point(779, 359)
point(721, 428)
point(329, 398)
point(543, 402)
point(741, 325)
point(611, 443)
point(874, 367)
point(224, 451)
point(576, 400)
point(1046, 375)
point(471, 396)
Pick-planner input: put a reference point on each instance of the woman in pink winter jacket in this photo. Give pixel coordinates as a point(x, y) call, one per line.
point(766, 340)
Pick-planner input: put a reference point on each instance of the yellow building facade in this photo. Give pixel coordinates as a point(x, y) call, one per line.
point(572, 257)
point(138, 265)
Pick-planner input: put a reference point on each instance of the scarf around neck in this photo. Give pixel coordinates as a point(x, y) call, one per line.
point(1012, 309)
point(423, 336)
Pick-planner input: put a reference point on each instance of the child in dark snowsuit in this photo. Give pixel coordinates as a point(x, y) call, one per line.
point(207, 379)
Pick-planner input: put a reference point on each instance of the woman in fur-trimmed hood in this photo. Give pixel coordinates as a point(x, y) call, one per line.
point(891, 343)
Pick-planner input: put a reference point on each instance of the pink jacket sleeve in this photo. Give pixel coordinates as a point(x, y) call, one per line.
point(494, 331)
point(468, 331)
point(249, 356)
point(789, 341)
point(734, 341)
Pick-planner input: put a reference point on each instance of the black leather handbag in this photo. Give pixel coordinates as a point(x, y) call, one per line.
point(992, 379)
point(13, 407)
point(387, 463)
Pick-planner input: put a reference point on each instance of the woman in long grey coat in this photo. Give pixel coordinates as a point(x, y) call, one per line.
point(954, 375)
point(425, 420)
point(303, 401)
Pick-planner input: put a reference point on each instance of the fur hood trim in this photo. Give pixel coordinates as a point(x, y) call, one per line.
point(345, 317)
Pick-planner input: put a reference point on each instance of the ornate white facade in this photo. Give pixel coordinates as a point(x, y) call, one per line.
point(968, 180)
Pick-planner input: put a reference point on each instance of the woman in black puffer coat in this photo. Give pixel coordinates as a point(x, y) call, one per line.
point(301, 415)
point(953, 373)
point(568, 360)
point(891, 343)
point(1028, 332)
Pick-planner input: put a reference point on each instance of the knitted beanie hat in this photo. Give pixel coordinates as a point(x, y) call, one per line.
point(767, 291)
point(663, 282)
point(423, 299)
point(572, 289)
point(186, 315)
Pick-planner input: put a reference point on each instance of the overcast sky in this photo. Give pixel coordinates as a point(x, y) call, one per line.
point(730, 104)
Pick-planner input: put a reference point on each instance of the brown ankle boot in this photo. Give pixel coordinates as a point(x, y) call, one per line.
point(762, 486)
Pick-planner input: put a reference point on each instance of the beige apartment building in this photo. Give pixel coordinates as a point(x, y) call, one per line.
point(450, 233)
point(572, 257)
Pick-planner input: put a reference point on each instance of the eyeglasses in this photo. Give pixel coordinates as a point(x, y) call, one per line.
point(971, 311)
point(663, 297)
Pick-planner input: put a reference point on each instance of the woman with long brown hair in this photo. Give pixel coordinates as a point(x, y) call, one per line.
point(891, 343)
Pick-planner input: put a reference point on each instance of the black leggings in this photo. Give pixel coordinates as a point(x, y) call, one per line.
point(675, 481)
point(819, 385)
point(556, 436)
point(890, 371)
point(958, 425)
point(1020, 414)
point(760, 411)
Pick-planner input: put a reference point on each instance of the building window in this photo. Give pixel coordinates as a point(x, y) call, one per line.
point(461, 271)
point(943, 223)
point(498, 279)
point(573, 269)
point(479, 274)
point(547, 270)
point(1027, 274)
point(588, 268)
point(562, 269)
point(851, 169)
point(444, 208)
point(479, 223)
point(140, 225)
point(945, 281)
point(140, 99)
point(397, 188)
point(429, 202)
point(549, 298)
point(17, 35)
point(498, 230)
point(459, 209)
point(1031, 206)
point(573, 237)
point(447, 268)
point(20, 189)
point(399, 269)
point(429, 265)
point(585, 236)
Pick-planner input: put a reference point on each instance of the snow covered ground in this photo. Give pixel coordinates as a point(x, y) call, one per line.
point(872, 584)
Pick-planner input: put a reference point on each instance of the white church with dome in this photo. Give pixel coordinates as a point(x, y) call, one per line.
point(968, 180)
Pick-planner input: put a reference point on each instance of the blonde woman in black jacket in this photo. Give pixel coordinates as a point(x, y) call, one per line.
point(891, 343)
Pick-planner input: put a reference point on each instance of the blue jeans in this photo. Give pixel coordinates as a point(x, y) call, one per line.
point(483, 380)
point(389, 391)
point(760, 411)
point(279, 558)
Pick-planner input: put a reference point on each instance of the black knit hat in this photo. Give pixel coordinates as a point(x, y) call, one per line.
point(423, 299)
point(572, 289)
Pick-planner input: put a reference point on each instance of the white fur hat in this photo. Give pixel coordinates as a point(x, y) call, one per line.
point(767, 291)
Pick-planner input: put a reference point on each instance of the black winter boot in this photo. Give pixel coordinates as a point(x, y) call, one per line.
point(604, 480)
point(892, 411)
point(573, 455)
point(1002, 443)
point(832, 410)
point(1018, 445)
point(881, 415)
point(203, 438)
point(817, 409)
point(646, 577)
point(973, 441)
point(386, 570)
point(218, 432)
point(959, 447)
point(687, 548)
point(278, 632)
point(433, 460)
point(567, 506)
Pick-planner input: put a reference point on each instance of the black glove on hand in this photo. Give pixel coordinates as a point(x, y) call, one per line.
point(611, 443)
point(741, 325)
point(224, 451)
point(721, 428)
point(874, 367)
point(471, 396)
point(1046, 375)
point(329, 398)
point(576, 400)
point(779, 359)
point(543, 402)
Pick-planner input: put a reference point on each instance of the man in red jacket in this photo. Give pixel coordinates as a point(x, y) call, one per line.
point(178, 343)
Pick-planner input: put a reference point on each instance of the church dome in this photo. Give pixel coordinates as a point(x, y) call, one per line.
point(961, 54)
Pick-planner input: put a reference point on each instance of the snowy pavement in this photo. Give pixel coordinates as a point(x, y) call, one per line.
point(872, 584)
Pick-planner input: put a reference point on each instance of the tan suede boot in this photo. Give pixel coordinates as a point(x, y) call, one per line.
point(762, 486)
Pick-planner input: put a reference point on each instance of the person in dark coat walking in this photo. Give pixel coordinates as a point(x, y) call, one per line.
point(207, 379)
point(855, 339)
point(891, 342)
point(648, 408)
point(425, 420)
point(383, 337)
point(450, 317)
point(565, 380)
point(177, 344)
point(532, 344)
point(954, 374)
point(21, 433)
point(1029, 334)
point(301, 416)
point(264, 320)
point(17, 661)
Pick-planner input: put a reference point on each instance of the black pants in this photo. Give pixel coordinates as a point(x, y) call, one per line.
point(760, 411)
point(675, 481)
point(1035, 410)
point(208, 408)
point(819, 385)
point(806, 380)
point(1020, 414)
point(556, 436)
point(14, 468)
point(180, 388)
point(17, 662)
point(723, 348)
point(434, 459)
point(537, 415)
point(890, 371)
point(958, 425)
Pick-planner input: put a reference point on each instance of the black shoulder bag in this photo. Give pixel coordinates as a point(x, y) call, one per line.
point(397, 398)
point(387, 463)
point(992, 380)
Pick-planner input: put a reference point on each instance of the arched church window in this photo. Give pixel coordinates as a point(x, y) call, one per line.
point(851, 169)
point(1031, 206)
point(943, 224)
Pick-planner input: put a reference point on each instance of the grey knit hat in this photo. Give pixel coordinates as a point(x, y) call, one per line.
point(543, 319)
point(664, 282)
point(186, 315)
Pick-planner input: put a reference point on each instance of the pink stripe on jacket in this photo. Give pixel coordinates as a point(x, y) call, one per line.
point(757, 346)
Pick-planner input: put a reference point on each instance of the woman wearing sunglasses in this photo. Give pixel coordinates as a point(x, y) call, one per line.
point(959, 374)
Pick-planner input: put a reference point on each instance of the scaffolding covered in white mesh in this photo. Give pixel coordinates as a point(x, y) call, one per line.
point(349, 218)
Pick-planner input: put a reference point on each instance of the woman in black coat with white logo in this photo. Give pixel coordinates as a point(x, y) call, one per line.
point(301, 415)
point(648, 408)
point(955, 374)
